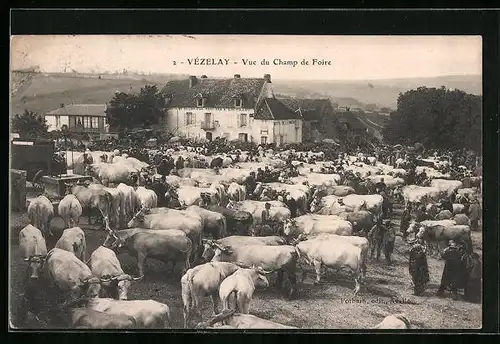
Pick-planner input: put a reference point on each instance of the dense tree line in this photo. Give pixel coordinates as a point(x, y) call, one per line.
point(437, 118)
point(29, 125)
point(127, 111)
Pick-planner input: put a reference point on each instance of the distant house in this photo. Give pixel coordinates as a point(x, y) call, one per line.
point(351, 126)
point(318, 116)
point(235, 108)
point(78, 118)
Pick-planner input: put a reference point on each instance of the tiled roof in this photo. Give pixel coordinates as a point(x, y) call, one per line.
point(274, 109)
point(80, 110)
point(311, 109)
point(219, 93)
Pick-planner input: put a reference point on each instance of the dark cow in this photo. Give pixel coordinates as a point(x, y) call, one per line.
point(238, 222)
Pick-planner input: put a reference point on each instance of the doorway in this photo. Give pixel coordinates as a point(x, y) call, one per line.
point(208, 135)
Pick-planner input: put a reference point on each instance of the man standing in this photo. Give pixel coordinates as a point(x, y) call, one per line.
point(266, 224)
point(375, 237)
point(405, 220)
point(160, 189)
point(446, 204)
point(292, 205)
point(418, 268)
point(380, 186)
point(474, 214)
point(250, 184)
point(452, 271)
point(388, 241)
point(421, 215)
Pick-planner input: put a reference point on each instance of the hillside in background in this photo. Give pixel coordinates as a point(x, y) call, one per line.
point(383, 93)
point(44, 92)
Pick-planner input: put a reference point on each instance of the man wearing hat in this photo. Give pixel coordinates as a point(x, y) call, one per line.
point(405, 220)
point(160, 189)
point(474, 214)
point(388, 240)
point(376, 236)
point(87, 160)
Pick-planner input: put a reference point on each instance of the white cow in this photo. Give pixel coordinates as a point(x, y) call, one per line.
point(332, 253)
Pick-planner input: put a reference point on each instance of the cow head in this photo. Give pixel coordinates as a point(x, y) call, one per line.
point(259, 278)
point(422, 232)
point(219, 250)
point(91, 286)
point(35, 265)
point(289, 227)
point(120, 284)
point(138, 218)
point(68, 187)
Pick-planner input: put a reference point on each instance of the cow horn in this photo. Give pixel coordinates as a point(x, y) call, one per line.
point(262, 271)
point(138, 278)
point(26, 259)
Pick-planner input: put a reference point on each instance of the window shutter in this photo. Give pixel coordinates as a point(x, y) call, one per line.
point(185, 119)
point(194, 118)
point(238, 119)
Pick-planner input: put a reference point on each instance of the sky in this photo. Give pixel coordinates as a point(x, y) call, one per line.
point(351, 57)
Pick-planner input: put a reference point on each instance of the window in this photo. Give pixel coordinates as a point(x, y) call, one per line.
point(263, 140)
point(237, 102)
point(281, 139)
point(86, 122)
point(199, 102)
point(243, 137)
point(243, 120)
point(95, 122)
point(190, 118)
point(58, 121)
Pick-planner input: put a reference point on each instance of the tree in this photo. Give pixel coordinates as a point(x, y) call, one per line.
point(128, 111)
point(438, 118)
point(29, 125)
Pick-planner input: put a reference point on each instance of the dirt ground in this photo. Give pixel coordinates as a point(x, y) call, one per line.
point(329, 305)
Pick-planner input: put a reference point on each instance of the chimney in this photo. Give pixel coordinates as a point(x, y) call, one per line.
point(61, 105)
point(192, 81)
point(237, 76)
point(267, 77)
point(203, 76)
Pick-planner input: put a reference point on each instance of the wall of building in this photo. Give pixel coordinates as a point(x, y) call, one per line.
point(52, 122)
point(226, 122)
point(290, 130)
point(228, 125)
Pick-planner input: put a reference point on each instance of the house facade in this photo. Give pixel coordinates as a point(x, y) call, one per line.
point(78, 118)
point(237, 109)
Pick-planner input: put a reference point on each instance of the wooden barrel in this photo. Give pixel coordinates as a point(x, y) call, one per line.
point(18, 190)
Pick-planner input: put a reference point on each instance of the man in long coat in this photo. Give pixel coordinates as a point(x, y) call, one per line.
point(452, 277)
point(418, 268)
point(474, 215)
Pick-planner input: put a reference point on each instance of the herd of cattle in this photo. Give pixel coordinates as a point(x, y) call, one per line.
point(215, 242)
